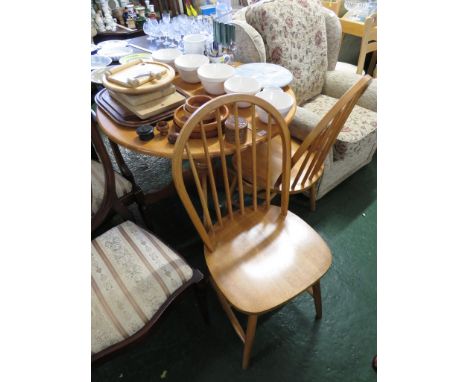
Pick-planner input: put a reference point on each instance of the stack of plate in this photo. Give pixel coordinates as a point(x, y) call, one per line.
point(144, 88)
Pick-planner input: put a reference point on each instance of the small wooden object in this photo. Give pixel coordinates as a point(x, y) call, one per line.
point(162, 127)
point(230, 129)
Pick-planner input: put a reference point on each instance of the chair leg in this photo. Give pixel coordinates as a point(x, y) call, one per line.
point(313, 196)
point(317, 294)
point(249, 339)
point(200, 294)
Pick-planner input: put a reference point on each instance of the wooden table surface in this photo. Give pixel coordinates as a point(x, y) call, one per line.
point(160, 147)
point(352, 27)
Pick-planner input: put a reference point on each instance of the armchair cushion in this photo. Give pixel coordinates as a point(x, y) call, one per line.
point(132, 274)
point(334, 30)
point(360, 124)
point(122, 185)
point(338, 82)
point(250, 47)
point(294, 34)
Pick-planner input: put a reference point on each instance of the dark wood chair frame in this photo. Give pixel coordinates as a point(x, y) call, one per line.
point(111, 202)
point(119, 205)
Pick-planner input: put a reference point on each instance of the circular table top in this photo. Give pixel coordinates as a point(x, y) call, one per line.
point(159, 145)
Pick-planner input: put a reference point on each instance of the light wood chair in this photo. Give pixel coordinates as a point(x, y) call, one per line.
point(308, 156)
point(259, 255)
point(368, 45)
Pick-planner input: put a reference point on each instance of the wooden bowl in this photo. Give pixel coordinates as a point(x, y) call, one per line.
point(211, 129)
point(194, 102)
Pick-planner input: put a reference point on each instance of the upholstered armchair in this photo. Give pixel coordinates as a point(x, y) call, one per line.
point(305, 37)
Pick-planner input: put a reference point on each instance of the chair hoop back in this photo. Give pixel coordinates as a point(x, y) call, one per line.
point(368, 42)
point(318, 143)
point(201, 153)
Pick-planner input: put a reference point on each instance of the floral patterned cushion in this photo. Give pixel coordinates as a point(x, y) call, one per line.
point(132, 274)
point(294, 34)
point(249, 42)
point(360, 123)
point(122, 185)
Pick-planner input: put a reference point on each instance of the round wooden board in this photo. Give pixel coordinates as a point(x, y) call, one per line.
point(145, 88)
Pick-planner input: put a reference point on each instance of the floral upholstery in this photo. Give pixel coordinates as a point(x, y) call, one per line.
point(122, 185)
point(334, 30)
point(294, 33)
point(132, 274)
point(360, 123)
point(249, 42)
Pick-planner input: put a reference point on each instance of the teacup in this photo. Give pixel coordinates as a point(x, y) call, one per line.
point(223, 59)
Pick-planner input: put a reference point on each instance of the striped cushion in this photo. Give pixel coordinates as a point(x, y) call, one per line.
point(122, 185)
point(132, 274)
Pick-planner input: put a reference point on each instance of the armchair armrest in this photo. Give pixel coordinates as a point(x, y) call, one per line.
point(338, 82)
point(303, 123)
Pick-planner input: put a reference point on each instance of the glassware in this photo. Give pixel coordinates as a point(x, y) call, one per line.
point(358, 9)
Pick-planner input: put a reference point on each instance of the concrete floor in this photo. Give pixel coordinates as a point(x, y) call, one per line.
point(290, 345)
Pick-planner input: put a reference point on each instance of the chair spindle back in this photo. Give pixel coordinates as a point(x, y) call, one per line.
point(318, 143)
point(201, 154)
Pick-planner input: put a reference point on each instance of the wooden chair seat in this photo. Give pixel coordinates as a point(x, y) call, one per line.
point(276, 163)
point(263, 260)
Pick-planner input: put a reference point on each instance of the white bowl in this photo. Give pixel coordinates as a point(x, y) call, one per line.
point(213, 77)
point(99, 61)
point(188, 64)
point(280, 100)
point(167, 56)
point(194, 44)
point(242, 85)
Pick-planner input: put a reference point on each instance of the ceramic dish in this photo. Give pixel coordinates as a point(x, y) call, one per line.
point(167, 55)
point(94, 48)
point(116, 53)
point(280, 100)
point(242, 85)
point(136, 56)
point(211, 129)
point(188, 64)
point(213, 76)
point(98, 74)
point(112, 44)
point(267, 74)
point(99, 61)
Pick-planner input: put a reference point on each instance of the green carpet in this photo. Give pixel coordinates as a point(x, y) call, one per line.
point(290, 345)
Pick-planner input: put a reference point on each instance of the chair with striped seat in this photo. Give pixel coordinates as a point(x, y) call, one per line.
point(134, 278)
point(134, 275)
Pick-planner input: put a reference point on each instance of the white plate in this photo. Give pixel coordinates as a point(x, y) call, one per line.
point(267, 74)
point(93, 48)
point(97, 74)
point(99, 61)
point(136, 56)
point(115, 52)
point(112, 44)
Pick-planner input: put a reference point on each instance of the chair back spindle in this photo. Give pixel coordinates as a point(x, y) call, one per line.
point(202, 155)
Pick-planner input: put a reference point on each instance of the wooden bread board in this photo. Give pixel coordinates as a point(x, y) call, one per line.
point(124, 117)
point(147, 87)
point(136, 100)
point(158, 106)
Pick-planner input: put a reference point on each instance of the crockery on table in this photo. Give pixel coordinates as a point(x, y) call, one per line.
point(281, 100)
point(112, 44)
point(242, 85)
point(213, 77)
point(267, 74)
point(100, 61)
point(188, 64)
point(167, 56)
point(136, 56)
point(115, 52)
